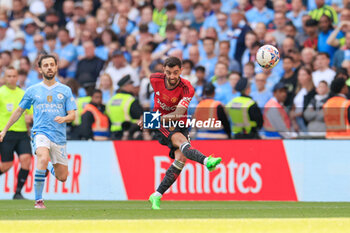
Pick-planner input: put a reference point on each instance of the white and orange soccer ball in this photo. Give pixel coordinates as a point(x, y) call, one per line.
point(267, 56)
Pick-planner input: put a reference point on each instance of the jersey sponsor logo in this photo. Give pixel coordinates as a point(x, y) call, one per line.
point(59, 96)
point(49, 98)
point(165, 107)
point(9, 107)
point(151, 120)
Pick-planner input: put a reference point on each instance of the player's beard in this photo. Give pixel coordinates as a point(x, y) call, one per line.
point(49, 76)
point(172, 82)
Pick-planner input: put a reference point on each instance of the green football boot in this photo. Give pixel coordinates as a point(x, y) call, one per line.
point(155, 200)
point(212, 163)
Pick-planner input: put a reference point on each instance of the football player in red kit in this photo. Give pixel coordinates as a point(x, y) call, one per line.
point(172, 97)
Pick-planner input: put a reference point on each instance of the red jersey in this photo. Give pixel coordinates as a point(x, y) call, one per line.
point(166, 100)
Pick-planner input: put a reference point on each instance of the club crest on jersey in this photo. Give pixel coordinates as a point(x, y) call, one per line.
point(173, 100)
point(59, 96)
point(49, 98)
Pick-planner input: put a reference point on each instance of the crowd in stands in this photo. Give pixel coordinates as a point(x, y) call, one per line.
point(114, 46)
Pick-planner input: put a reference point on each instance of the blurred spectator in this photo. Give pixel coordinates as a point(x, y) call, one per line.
point(336, 111)
point(313, 114)
point(307, 57)
point(326, 28)
point(32, 75)
point(94, 123)
point(39, 47)
point(193, 54)
point(261, 95)
point(88, 68)
point(67, 55)
point(193, 40)
point(212, 19)
point(210, 59)
point(223, 88)
point(199, 17)
point(106, 87)
point(260, 30)
point(159, 16)
point(279, 32)
point(198, 86)
point(5, 38)
point(301, 35)
point(233, 79)
point(322, 72)
point(276, 121)
point(146, 18)
point(259, 13)
point(290, 80)
point(187, 12)
point(22, 78)
point(249, 71)
point(239, 29)
point(208, 108)
point(305, 92)
point(124, 110)
point(187, 72)
point(119, 68)
point(296, 14)
point(342, 53)
point(323, 9)
point(311, 32)
point(250, 39)
point(245, 115)
point(169, 44)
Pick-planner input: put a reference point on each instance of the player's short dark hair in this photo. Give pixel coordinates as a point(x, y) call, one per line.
point(22, 72)
point(215, 1)
point(26, 58)
point(46, 56)
point(197, 5)
point(337, 85)
point(172, 62)
point(311, 23)
point(323, 53)
point(170, 27)
point(200, 68)
point(63, 29)
point(188, 61)
point(143, 28)
point(290, 23)
point(170, 7)
point(10, 68)
point(96, 91)
point(209, 38)
point(50, 36)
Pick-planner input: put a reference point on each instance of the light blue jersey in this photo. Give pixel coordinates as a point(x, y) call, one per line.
point(48, 103)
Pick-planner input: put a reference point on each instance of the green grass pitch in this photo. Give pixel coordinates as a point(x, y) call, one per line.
point(175, 216)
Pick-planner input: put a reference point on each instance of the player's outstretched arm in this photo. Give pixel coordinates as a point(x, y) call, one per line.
point(14, 117)
point(66, 119)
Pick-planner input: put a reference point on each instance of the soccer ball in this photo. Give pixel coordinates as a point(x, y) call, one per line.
point(267, 56)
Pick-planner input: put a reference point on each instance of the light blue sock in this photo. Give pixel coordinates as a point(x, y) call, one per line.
point(51, 168)
point(39, 181)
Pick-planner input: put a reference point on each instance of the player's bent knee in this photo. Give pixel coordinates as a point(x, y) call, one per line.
point(5, 166)
point(178, 139)
point(25, 160)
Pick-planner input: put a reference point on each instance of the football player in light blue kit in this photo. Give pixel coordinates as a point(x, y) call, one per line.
point(53, 106)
